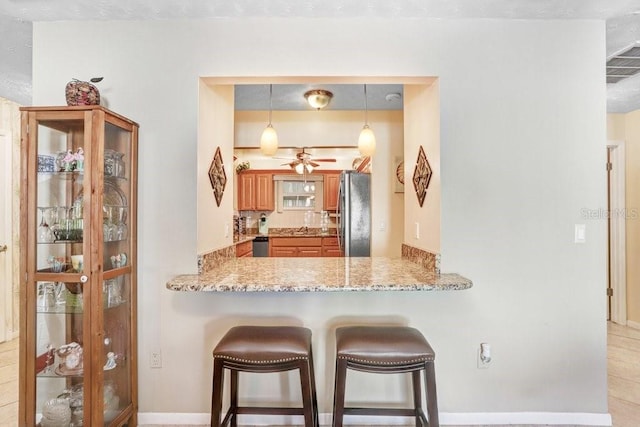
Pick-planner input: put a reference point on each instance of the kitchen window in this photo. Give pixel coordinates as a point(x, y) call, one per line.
point(299, 193)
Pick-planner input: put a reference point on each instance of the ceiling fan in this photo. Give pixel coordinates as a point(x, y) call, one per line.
point(303, 162)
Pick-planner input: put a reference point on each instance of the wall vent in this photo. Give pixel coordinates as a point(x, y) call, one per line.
point(623, 64)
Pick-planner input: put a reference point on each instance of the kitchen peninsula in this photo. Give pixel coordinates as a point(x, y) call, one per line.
point(332, 274)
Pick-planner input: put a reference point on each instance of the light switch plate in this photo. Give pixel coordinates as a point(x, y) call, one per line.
point(580, 233)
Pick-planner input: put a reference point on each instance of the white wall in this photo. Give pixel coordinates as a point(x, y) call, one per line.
point(522, 124)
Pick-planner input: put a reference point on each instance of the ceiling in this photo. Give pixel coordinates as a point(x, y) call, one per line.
point(622, 22)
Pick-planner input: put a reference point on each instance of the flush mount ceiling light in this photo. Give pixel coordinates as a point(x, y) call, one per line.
point(269, 138)
point(318, 98)
point(367, 139)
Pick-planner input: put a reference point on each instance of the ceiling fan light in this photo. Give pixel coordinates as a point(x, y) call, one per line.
point(269, 141)
point(299, 168)
point(318, 98)
point(367, 141)
point(309, 168)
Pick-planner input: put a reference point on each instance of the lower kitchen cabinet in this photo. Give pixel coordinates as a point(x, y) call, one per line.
point(244, 249)
point(295, 246)
point(304, 247)
point(330, 247)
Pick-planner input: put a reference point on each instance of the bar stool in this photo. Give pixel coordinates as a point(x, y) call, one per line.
point(386, 350)
point(260, 349)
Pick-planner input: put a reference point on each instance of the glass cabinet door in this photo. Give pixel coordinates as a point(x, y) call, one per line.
point(77, 318)
point(59, 242)
point(116, 257)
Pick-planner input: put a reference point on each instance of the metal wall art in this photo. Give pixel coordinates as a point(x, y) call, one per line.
point(217, 176)
point(422, 176)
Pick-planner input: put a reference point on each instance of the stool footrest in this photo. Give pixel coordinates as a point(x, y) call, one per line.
point(396, 412)
point(259, 410)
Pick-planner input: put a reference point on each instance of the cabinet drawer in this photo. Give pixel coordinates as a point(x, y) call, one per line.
point(329, 241)
point(331, 251)
point(296, 241)
point(284, 251)
point(308, 251)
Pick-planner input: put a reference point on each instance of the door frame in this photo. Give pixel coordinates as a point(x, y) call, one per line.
point(617, 240)
point(6, 258)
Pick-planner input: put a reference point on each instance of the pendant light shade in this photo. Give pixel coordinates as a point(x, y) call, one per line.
point(269, 141)
point(367, 139)
point(269, 138)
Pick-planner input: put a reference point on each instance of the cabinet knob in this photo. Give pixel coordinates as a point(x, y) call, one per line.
point(84, 279)
point(3, 248)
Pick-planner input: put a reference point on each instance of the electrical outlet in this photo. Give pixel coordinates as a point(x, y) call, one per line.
point(155, 360)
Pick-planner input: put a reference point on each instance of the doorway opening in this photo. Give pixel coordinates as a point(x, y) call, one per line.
point(616, 216)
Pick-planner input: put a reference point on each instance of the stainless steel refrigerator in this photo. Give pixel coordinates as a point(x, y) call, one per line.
point(354, 214)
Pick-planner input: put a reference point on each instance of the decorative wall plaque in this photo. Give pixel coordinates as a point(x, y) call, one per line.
point(217, 176)
point(422, 176)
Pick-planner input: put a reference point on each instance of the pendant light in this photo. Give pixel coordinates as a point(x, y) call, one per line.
point(367, 139)
point(269, 138)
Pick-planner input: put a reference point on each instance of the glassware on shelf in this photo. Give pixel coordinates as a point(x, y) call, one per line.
point(56, 412)
point(109, 162)
point(109, 227)
point(46, 299)
point(120, 222)
point(118, 165)
point(60, 292)
point(44, 233)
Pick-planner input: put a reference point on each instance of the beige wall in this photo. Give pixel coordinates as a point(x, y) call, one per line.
point(503, 120)
point(626, 127)
point(422, 129)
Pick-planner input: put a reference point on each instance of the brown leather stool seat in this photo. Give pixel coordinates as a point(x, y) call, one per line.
point(387, 350)
point(259, 349)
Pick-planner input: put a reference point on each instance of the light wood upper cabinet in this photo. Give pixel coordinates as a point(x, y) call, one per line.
point(331, 184)
point(255, 191)
point(264, 192)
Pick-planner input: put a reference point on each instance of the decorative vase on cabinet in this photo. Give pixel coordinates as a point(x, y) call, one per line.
point(79, 259)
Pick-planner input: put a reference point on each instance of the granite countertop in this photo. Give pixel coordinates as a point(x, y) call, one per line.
point(318, 275)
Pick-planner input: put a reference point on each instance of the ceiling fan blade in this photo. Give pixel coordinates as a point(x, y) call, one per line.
point(314, 164)
point(324, 160)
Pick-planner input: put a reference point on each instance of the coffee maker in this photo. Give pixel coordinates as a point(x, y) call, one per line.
point(263, 227)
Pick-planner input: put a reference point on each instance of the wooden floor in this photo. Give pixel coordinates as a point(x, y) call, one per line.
point(623, 354)
point(9, 383)
point(623, 368)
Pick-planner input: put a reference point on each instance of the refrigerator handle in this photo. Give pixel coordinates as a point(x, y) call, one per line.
point(339, 216)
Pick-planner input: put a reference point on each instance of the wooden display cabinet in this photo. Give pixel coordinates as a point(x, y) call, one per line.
point(78, 358)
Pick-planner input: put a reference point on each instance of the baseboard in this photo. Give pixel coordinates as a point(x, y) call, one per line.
point(632, 324)
point(446, 418)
